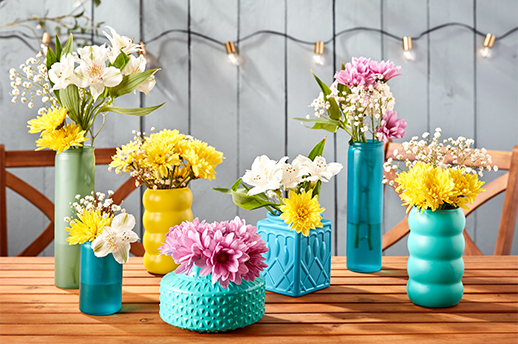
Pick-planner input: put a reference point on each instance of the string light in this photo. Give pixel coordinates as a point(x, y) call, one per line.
point(407, 47)
point(488, 44)
point(45, 41)
point(319, 51)
point(231, 53)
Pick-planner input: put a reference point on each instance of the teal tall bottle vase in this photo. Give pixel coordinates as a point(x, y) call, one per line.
point(364, 206)
point(100, 290)
point(435, 265)
point(74, 174)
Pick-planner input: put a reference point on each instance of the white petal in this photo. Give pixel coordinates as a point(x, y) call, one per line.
point(96, 90)
point(111, 77)
point(123, 222)
point(121, 254)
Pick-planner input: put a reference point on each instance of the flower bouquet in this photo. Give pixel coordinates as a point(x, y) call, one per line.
point(360, 102)
point(298, 262)
point(76, 87)
point(100, 227)
point(216, 286)
point(442, 179)
point(166, 162)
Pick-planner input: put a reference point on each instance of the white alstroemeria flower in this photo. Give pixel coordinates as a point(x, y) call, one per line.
point(61, 72)
point(138, 64)
point(93, 72)
point(116, 239)
point(119, 42)
point(292, 174)
point(265, 175)
point(318, 169)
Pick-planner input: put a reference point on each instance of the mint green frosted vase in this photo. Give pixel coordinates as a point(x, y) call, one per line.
point(74, 174)
point(435, 265)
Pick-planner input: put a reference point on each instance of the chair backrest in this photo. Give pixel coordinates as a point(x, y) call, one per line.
point(507, 182)
point(27, 158)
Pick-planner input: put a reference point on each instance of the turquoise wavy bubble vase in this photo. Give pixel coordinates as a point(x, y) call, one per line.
point(435, 265)
point(100, 286)
point(74, 175)
point(194, 303)
point(297, 265)
point(364, 206)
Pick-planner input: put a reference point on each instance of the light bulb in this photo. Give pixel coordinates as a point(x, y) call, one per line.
point(488, 44)
point(319, 52)
point(409, 55)
point(231, 53)
point(45, 41)
point(319, 59)
point(407, 47)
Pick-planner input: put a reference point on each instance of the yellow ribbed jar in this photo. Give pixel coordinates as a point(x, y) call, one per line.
point(163, 209)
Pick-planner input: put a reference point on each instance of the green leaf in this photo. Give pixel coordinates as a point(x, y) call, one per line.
point(130, 83)
point(321, 123)
point(334, 109)
point(318, 150)
point(80, 14)
point(247, 202)
point(342, 66)
point(316, 190)
point(97, 3)
point(223, 190)
point(121, 61)
point(70, 100)
point(51, 59)
point(59, 48)
point(133, 112)
point(67, 49)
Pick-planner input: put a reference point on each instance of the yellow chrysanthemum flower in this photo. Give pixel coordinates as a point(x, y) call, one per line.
point(302, 211)
point(425, 187)
point(159, 157)
point(128, 157)
point(87, 227)
point(467, 187)
point(167, 137)
point(49, 121)
point(203, 159)
point(62, 139)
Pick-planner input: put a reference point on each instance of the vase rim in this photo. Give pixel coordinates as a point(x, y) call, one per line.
point(368, 143)
point(430, 211)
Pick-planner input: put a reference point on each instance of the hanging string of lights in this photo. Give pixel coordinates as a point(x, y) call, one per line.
point(232, 51)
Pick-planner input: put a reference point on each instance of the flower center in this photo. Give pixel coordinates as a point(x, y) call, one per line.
point(222, 258)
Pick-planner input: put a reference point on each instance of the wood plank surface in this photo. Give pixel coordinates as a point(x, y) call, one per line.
point(356, 308)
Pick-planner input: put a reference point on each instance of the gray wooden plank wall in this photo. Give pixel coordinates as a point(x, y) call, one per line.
point(245, 111)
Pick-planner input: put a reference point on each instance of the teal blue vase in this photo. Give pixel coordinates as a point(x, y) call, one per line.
point(435, 265)
point(74, 175)
point(100, 288)
point(194, 303)
point(297, 264)
point(364, 206)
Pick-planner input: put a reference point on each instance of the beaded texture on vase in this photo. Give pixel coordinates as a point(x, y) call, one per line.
point(194, 303)
point(297, 265)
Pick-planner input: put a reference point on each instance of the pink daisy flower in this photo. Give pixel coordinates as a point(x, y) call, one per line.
point(392, 127)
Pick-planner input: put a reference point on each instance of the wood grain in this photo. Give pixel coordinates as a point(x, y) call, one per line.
point(357, 308)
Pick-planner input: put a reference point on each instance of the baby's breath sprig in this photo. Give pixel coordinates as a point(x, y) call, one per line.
point(450, 153)
point(95, 201)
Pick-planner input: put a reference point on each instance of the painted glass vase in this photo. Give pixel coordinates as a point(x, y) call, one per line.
point(74, 175)
point(100, 289)
point(364, 206)
point(297, 265)
point(435, 265)
point(194, 303)
point(163, 209)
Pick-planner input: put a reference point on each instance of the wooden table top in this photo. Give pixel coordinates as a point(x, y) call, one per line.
point(356, 308)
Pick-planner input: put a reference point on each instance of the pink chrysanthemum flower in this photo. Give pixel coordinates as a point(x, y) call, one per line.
point(228, 251)
point(391, 127)
point(356, 73)
point(384, 70)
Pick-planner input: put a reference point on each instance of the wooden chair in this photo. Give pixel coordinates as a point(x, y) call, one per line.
point(27, 158)
point(508, 183)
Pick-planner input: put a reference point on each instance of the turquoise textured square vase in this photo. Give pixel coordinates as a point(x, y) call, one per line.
point(297, 265)
point(194, 303)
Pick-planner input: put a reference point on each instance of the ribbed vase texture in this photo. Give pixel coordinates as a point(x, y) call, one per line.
point(74, 175)
point(435, 265)
point(163, 209)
